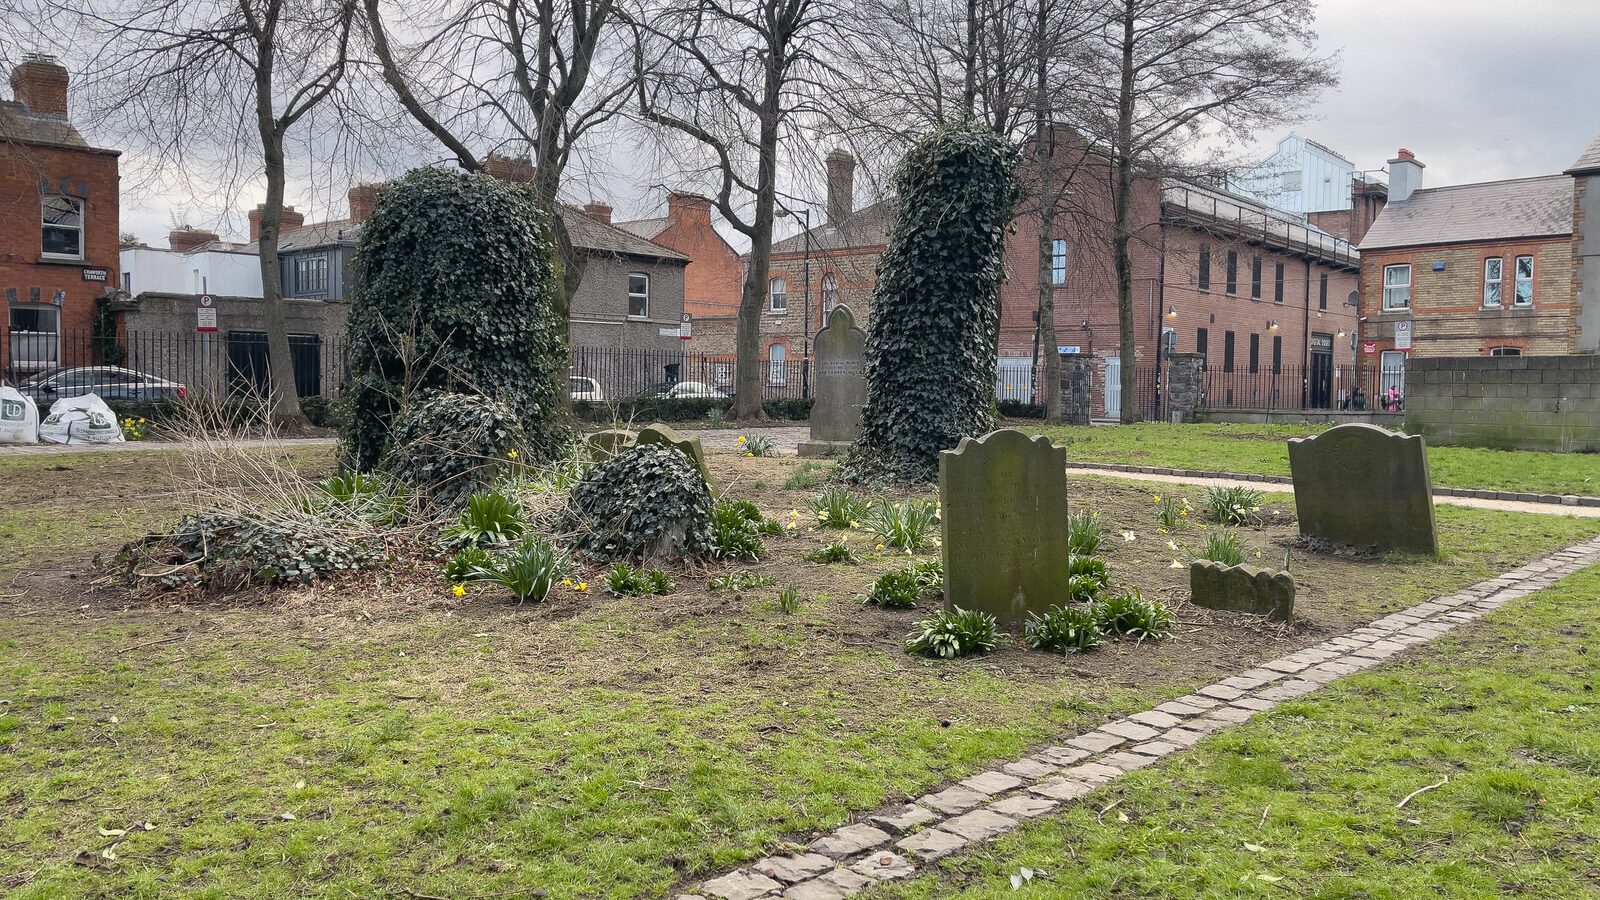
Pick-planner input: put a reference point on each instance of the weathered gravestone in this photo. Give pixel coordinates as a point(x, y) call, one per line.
point(1003, 504)
point(1242, 589)
point(1364, 486)
point(841, 385)
point(657, 433)
point(608, 443)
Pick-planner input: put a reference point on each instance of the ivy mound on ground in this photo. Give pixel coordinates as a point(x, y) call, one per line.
point(647, 504)
point(224, 551)
point(931, 344)
point(456, 293)
point(445, 447)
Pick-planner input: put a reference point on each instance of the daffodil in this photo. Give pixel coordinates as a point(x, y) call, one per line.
point(749, 454)
point(459, 590)
point(880, 547)
point(854, 524)
point(1161, 531)
point(566, 582)
point(741, 439)
point(1172, 545)
point(1175, 565)
point(794, 513)
point(1155, 498)
point(511, 454)
point(582, 586)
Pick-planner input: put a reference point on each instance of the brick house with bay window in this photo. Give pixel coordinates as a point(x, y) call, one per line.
point(59, 221)
point(1490, 269)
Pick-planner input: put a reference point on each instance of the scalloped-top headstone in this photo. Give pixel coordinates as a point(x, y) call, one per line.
point(657, 433)
point(841, 382)
point(1003, 501)
point(1364, 486)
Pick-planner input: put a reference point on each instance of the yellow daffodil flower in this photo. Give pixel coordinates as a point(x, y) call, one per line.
point(459, 590)
point(741, 439)
point(582, 586)
point(511, 454)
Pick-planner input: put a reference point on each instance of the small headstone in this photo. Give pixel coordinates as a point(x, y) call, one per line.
point(841, 384)
point(657, 433)
point(1242, 589)
point(1004, 516)
point(608, 443)
point(1364, 486)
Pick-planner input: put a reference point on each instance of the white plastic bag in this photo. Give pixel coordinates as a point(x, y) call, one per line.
point(19, 417)
point(81, 420)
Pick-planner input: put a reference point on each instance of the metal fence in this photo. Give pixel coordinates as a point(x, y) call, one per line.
point(621, 374)
point(1314, 387)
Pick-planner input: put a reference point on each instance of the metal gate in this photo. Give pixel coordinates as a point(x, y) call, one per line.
point(1113, 387)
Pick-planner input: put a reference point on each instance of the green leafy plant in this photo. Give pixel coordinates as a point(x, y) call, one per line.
point(491, 519)
point(715, 415)
point(228, 551)
point(788, 601)
point(624, 580)
point(647, 503)
point(1222, 546)
point(895, 590)
point(805, 476)
point(1063, 629)
point(462, 564)
point(529, 570)
point(908, 525)
point(838, 507)
point(740, 581)
point(836, 551)
point(134, 428)
point(756, 444)
point(1086, 578)
point(446, 446)
point(360, 496)
point(1128, 613)
point(929, 574)
point(475, 313)
point(1233, 505)
point(930, 346)
point(736, 530)
point(1083, 533)
point(1172, 512)
point(955, 632)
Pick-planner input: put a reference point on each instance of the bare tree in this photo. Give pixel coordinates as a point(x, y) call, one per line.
point(540, 74)
point(735, 79)
point(213, 92)
point(1189, 70)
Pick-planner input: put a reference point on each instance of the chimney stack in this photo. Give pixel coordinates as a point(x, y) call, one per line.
point(685, 207)
point(289, 221)
point(40, 84)
point(841, 185)
point(363, 201)
point(183, 239)
point(600, 212)
point(509, 168)
point(1405, 175)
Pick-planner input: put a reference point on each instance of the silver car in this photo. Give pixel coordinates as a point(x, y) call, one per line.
point(106, 382)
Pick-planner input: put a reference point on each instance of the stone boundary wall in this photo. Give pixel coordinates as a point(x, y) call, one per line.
point(1506, 402)
point(1389, 420)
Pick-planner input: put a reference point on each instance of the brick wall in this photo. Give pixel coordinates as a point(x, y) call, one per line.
point(1508, 403)
point(1447, 312)
point(715, 276)
point(27, 279)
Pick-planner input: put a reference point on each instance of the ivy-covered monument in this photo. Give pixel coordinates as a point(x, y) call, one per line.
point(932, 341)
point(455, 297)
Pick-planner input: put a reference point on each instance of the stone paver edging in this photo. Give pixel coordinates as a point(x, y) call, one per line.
point(901, 842)
point(1475, 493)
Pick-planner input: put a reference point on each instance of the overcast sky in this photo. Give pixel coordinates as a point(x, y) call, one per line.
point(1477, 89)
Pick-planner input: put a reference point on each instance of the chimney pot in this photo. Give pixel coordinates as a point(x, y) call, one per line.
point(841, 168)
point(40, 84)
point(287, 222)
point(598, 211)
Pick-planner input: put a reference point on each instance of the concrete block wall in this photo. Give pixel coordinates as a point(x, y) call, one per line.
point(1506, 402)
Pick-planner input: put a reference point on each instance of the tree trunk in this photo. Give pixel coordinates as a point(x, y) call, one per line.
point(284, 404)
point(747, 345)
point(1045, 151)
point(1121, 237)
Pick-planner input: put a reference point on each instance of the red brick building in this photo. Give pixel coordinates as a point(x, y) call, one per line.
point(59, 221)
point(715, 276)
point(1261, 292)
point(1488, 269)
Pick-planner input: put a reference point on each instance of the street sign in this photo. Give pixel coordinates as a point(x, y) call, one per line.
point(205, 313)
point(1066, 348)
point(1402, 335)
point(95, 274)
point(686, 327)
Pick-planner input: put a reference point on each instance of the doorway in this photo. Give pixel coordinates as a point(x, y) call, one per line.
point(1113, 387)
point(1320, 378)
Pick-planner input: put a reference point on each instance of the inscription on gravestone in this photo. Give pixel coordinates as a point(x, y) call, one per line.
point(1004, 516)
point(841, 384)
point(1364, 486)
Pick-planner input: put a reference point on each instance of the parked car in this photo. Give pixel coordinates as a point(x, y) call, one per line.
point(695, 389)
point(107, 382)
point(586, 389)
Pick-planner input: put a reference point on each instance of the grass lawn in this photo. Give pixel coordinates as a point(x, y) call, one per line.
point(378, 736)
point(1260, 449)
point(1301, 802)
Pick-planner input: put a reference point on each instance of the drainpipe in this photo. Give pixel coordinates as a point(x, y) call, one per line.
point(1305, 344)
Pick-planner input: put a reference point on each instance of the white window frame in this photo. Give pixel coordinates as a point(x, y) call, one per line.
point(1058, 262)
point(1391, 371)
point(1519, 281)
point(34, 350)
point(1495, 299)
point(778, 295)
point(1393, 289)
point(77, 204)
point(777, 364)
point(1500, 350)
point(632, 295)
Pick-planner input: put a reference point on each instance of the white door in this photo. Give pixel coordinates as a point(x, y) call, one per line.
point(1113, 387)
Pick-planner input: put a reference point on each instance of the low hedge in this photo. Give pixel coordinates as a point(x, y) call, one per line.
point(678, 409)
point(1016, 409)
point(323, 412)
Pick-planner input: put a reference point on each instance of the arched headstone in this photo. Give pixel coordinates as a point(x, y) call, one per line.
point(1364, 486)
point(841, 384)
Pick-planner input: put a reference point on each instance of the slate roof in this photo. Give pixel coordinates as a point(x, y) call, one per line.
point(1493, 210)
point(645, 228)
point(1589, 162)
point(19, 125)
point(866, 227)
